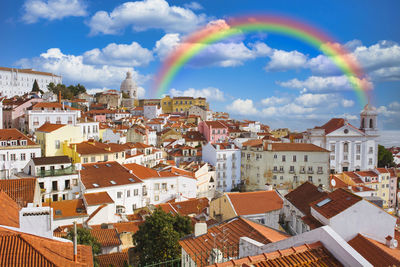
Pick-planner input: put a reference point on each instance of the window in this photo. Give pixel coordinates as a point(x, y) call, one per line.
point(295, 179)
point(93, 159)
point(274, 177)
point(332, 147)
point(281, 177)
point(156, 198)
point(305, 158)
point(370, 161)
point(371, 150)
point(275, 169)
point(281, 169)
point(346, 147)
point(135, 192)
point(12, 157)
point(164, 186)
point(128, 193)
point(119, 194)
point(133, 206)
point(358, 148)
point(85, 160)
point(310, 179)
point(67, 184)
point(332, 157)
point(283, 158)
point(23, 156)
point(74, 182)
point(310, 169)
point(55, 197)
point(116, 155)
point(57, 144)
point(294, 158)
point(248, 156)
point(156, 186)
point(291, 169)
point(41, 185)
point(319, 170)
point(54, 186)
point(105, 157)
point(275, 156)
point(358, 157)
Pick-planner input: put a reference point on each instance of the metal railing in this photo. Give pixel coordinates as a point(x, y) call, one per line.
point(58, 172)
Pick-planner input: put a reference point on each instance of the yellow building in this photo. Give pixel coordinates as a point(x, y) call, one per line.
point(52, 136)
point(93, 151)
point(181, 103)
point(278, 133)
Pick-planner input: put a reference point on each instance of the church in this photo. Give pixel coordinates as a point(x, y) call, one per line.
point(352, 148)
point(129, 91)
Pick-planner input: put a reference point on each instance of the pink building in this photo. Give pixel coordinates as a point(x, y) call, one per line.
point(14, 108)
point(213, 131)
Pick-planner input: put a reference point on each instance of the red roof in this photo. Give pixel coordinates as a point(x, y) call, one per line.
point(117, 259)
point(106, 237)
point(192, 206)
point(303, 195)
point(21, 191)
point(98, 198)
point(335, 202)
point(49, 127)
point(247, 203)
point(13, 135)
point(21, 249)
point(9, 211)
point(67, 208)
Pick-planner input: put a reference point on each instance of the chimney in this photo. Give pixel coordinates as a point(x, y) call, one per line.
point(200, 228)
point(75, 244)
point(391, 242)
point(59, 97)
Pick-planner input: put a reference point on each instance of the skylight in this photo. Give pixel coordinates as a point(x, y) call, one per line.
point(58, 212)
point(131, 180)
point(95, 185)
point(108, 165)
point(323, 202)
point(96, 166)
point(113, 182)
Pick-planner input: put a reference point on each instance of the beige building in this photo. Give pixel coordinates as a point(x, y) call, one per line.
point(283, 165)
point(181, 103)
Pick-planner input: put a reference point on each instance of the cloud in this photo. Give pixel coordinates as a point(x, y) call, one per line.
point(390, 115)
point(211, 93)
point(348, 116)
point(167, 44)
point(74, 70)
point(346, 103)
point(144, 15)
point(242, 107)
point(309, 100)
point(52, 9)
point(318, 83)
point(193, 6)
point(126, 55)
point(273, 100)
point(282, 60)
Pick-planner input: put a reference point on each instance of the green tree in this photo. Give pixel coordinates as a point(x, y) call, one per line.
point(84, 237)
point(385, 157)
point(157, 238)
point(77, 89)
point(69, 92)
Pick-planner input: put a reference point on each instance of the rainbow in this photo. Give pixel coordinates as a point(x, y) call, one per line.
point(199, 40)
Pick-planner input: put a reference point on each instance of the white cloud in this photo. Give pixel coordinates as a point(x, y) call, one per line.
point(309, 100)
point(126, 55)
point(386, 74)
point(317, 83)
point(394, 105)
point(74, 70)
point(283, 60)
point(193, 6)
point(146, 14)
point(346, 103)
point(211, 93)
point(242, 107)
point(273, 100)
point(167, 44)
point(348, 116)
point(52, 9)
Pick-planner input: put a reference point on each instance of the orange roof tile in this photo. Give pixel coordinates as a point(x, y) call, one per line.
point(21, 249)
point(14, 134)
point(332, 125)
point(247, 203)
point(9, 211)
point(106, 237)
point(233, 229)
point(376, 253)
point(97, 198)
point(303, 195)
point(50, 127)
point(306, 255)
point(67, 208)
point(127, 227)
point(337, 201)
point(191, 206)
point(106, 174)
point(22, 191)
point(117, 259)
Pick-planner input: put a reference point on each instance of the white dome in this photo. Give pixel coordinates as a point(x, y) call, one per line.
point(128, 86)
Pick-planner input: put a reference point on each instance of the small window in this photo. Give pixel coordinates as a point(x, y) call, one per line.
point(323, 202)
point(119, 194)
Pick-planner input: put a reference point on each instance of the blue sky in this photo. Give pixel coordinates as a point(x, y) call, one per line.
point(275, 79)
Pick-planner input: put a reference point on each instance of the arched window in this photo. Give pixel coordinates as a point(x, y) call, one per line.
point(371, 123)
point(362, 123)
point(346, 147)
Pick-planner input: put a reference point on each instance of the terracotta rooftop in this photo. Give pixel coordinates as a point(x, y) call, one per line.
point(98, 198)
point(332, 125)
point(94, 147)
point(303, 195)
point(215, 124)
point(21, 249)
point(306, 255)
point(236, 228)
point(51, 160)
point(335, 202)
point(185, 208)
point(49, 127)
point(13, 135)
point(247, 203)
point(106, 237)
point(106, 174)
point(22, 191)
point(117, 259)
point(67, 208)
point(9, 211)
point(295, 147)
point(376, 253)
point(143, 172)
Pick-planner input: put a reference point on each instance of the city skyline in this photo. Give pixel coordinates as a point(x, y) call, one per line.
point(262, 76)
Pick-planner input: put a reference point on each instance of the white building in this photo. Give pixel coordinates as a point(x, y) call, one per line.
point(226, 159)
point(50, 112)
point(20, 81)
point(16, 149)
point(58, 178)
point(151, 111)
point(202, 112)
point(352, 148)
point(89, 129)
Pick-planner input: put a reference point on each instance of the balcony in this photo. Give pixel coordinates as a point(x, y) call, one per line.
point(320, 172)
point(302, 171)
point(310, 171)
point(58, 172)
